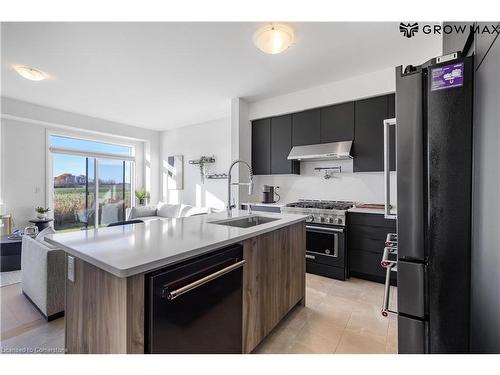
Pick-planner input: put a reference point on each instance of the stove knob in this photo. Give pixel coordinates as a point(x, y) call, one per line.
point(322, 219)
point(339, 220)
point(310, 218)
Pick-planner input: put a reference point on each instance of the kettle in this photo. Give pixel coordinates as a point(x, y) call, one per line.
point(268, 194)
point(31, 231)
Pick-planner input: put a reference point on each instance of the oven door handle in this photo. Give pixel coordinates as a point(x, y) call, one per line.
point(326, 229)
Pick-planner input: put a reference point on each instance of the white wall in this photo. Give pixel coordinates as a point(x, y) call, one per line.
point(212, 138)
point(24, 154)
point(364, 86)
point(310, 184)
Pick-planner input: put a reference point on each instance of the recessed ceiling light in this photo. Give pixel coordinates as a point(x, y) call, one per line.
point(274, 38)
point(30, 73)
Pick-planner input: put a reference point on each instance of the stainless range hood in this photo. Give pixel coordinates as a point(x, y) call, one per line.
point(324, 151)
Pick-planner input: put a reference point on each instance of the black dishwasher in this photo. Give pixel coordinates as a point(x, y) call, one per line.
point(195, 307)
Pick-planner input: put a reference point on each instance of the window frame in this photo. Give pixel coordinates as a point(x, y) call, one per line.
point(96, 155)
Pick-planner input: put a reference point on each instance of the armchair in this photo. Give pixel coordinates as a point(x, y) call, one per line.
point(43, 277)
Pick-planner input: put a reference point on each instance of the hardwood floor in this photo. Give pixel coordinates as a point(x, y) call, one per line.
point(23, 329)
point(339, 317)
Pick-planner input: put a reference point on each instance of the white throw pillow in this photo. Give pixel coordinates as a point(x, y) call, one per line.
point(184, 209)
point(141, 211)
point(193, 211)
point(41, 236)
point(168, 210)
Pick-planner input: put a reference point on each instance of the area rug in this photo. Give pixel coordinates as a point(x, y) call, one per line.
point(9, 278)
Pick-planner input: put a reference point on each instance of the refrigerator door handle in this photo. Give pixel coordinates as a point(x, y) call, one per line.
point(387, 169)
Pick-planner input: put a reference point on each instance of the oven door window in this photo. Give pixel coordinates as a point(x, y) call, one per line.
point(323, 243)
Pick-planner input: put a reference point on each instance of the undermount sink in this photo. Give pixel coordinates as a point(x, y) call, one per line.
point(245, 222)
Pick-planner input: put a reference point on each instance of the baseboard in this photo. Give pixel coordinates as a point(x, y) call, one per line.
point(48, 318)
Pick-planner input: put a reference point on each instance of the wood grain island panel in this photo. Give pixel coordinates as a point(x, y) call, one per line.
point(105, 313)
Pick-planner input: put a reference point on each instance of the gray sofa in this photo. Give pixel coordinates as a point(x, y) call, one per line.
point(43, 276)
point(165, 211)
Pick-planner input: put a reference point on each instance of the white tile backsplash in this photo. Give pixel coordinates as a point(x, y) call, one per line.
point(365, 187)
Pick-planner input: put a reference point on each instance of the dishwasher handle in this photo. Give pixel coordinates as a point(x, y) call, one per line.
point(171, 295)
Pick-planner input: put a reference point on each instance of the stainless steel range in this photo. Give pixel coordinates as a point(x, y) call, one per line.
point(322, 212)
point(326, 239)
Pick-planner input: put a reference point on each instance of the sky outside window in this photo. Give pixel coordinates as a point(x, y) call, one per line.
point(70, 164)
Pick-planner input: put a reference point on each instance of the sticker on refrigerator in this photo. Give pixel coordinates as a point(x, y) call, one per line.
point(447, 76)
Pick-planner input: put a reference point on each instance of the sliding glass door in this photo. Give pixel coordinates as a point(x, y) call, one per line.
point(114, 190)
point(74, 191)
point(89, 191)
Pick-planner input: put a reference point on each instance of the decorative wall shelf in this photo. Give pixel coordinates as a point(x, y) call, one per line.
point(202, 162)
point(216, 176)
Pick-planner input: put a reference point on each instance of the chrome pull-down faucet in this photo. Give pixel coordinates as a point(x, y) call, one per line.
point(230, 205)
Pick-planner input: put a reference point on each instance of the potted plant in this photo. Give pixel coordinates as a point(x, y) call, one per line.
point(41, 212)
point(142, 196)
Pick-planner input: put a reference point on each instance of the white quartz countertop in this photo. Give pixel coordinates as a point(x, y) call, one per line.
point(131, 249)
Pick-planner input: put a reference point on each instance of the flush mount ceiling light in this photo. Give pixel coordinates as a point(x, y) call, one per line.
point(273, 38)
point(30, 73)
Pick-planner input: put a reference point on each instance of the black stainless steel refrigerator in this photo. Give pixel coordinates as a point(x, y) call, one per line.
point(434, 175)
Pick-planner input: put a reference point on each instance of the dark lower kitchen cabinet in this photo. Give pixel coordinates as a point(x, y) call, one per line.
point(306, 127)
point(337, 123)
point(261, 146)
point(366, 235)
point(281, 144)
point(368, 147)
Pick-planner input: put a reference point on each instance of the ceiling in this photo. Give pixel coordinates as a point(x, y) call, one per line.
point(166, 75)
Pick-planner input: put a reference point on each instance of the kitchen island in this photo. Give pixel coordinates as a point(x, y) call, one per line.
point(106, 301)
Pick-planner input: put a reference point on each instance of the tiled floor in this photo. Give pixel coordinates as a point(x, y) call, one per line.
point(339, 317)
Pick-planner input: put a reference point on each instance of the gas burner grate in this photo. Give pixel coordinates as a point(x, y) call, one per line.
point(323, 205)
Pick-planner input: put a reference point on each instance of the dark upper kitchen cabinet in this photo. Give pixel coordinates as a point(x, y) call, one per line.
point(271, 144)
point(261, 146)
point(391, 105)
point(360, 121)
point(306, 127)
point(368, 148)
point(337, 123)
point(281, 144)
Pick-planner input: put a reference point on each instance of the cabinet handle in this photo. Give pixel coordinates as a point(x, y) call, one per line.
point(387, 169)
